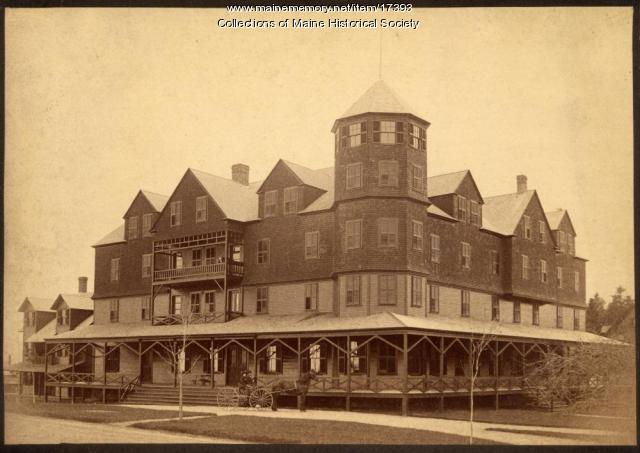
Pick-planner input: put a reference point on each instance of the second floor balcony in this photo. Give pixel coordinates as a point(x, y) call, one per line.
point(200, 272)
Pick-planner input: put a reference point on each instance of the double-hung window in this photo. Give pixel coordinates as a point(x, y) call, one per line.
point(417, 179)
point(354, 176)
point(311, 296)
point(196, 257)
point(311, 248)
point(263, 251)
point(353, 234)
point(201, 209)
point(195, 303)
point(465, 303)
point(114, 310)
point(133, 227)
point(416, 238)
point(417, 137)
point(146, 265)
point(576, 281)
point(146, 224)
point(353, 290)
point(115, 269)
point(535, 314)
point(516, 311)
point(262, 300)
point(435, 248)
point(525, 267)
point(475, 213)
point(559, 316)
point(270, 203)
point(543, 271)
point(434, 299)
point(145, 308)
point(291, 200)
point(527, 226)
point(542, 235)
point(175, 217)
point(466, 255)
point(560, 277)
point(354, 134)
point(387, 290)
point(210, 301)
point(388, 132)
point(387, 232)
point(388, 173)
point(495, 308)
point(416, 291)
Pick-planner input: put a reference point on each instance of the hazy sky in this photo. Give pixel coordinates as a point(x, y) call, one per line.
point(101, 103)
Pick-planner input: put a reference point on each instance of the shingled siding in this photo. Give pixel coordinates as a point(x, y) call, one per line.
point(289, 298)
point(130, 281)
point(130, 310)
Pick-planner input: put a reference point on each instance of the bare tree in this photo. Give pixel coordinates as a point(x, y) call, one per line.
point(477, 346)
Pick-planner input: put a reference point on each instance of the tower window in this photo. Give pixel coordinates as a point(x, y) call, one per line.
point(417, 180)
point(388, 132)
point(353, 135)
point(417, 137)
point(354, 176)
point(417, 235)
point(387, 290)
point(353, 290)
point(388, 173)
point(353, 234)
point(387, 232)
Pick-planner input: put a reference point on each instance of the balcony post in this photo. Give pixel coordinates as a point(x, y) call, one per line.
point(73, 369)
point(405, 374)
point(348, 369)
point(46, 370)
point(441, 401)
point(496, 370)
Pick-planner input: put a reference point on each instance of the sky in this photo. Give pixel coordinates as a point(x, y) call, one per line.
point(103, 102)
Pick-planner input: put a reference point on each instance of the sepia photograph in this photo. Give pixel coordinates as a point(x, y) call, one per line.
point(329, 224)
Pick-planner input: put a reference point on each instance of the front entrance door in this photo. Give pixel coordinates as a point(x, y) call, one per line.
point(146, 371)
point(237, 362)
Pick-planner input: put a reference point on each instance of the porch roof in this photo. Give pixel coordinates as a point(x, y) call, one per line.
point(325, 322)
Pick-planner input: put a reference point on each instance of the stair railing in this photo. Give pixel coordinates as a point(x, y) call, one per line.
point(125, 389)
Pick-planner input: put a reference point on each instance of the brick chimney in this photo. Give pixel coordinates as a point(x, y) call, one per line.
point(240, 173)
point(522, 183)
point(82, 284)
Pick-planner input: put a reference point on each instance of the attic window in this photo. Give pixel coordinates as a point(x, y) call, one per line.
point(290, 200)
point(201, 209)
point(133, 227)
point(527, 227)
point(475, 213)
point(388, 132)
point(63, 317)
point(176, 213)
point(417, 137)
point(353, 135)
point(146, 224)
point(270, 203)
point(542, 235)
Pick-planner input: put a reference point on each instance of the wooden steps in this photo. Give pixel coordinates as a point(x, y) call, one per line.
point(149, 394)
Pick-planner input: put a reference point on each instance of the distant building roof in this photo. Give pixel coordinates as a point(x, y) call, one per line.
point(36, 303)
point(502, 213)
point(115, 237)
point(78, 301)
point(445, 184)
point(379, 98)
point(158, 201)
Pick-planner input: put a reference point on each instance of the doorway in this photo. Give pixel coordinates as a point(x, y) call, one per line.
point(237, 362)
point(146, 368)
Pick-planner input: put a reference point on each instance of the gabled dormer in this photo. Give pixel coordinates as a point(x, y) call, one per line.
point(563, 232)
point(72, 309)
point(458, 195)
point(142, 214)
point(37, 313)
point(290, 188)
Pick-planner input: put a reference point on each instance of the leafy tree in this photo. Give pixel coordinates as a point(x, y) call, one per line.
point(619, 307)
point(596, 314)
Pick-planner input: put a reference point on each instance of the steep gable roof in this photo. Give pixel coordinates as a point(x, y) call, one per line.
point(502, 213)
point(78, 301)
point(115, 237)
point(37, 303)
point(555, 218)
point(379, 98)
point(158, 201)
point(444, 184)
point(321, 178)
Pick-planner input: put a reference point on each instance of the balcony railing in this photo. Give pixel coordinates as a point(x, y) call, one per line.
point(216, 270)
point(193, 318)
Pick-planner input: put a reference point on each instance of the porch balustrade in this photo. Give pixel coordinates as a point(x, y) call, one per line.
point(215, 270)
point(194, 318)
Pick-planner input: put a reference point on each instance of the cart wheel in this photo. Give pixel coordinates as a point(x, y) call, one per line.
point(227, 397)
point(260, 398)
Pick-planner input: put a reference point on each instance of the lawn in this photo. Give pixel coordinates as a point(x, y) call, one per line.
point(296, 431)
point(94, 413)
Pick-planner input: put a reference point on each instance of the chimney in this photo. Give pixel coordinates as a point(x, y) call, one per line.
point(522, 183)
point(82, 284)
point(240, 173)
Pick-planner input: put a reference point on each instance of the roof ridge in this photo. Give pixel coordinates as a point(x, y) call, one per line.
point(154, 193)
point(450, 173)
point(510, 193)
point(222, 177)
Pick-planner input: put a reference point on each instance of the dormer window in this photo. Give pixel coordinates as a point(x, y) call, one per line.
point(417, 137)
point(291, 200)
point(270, 203)
point(460, 204)
point(133, 227)
point(201, 209)
point(353, 135)
point(63, 317)
point(571, 244)
point(475, 213)
point(146, 224)
point(388, 132)
point(175, 218)
point(562, 241)
point(30, 319)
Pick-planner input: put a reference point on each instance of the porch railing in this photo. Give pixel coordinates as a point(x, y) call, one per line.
point(125, 389)
point(205, 270)
point(114, 379)
point(194, 318)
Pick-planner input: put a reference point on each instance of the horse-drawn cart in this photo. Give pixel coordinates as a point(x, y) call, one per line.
point(252, 395)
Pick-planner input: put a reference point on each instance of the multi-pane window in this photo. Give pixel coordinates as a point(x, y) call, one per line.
point(495, 262)
point(388, 132)
point(416, 238)
point(175, 217)
point(435, 248)
point(30, 319)
point(112, 359)
point(559, 313)
point(417, 137)
point(562, 241)
point(387, 232)
point(386, 359)
point(145, 308)
point(291, 200)
point(353, 135)
point(263, 251)
point(63, 316)
point(262, 300)
point(353, 290)
point(388, 173)
point(196, 257)
point(201, 209)
point(466, 255)
point(535, 314)
point(525, 267)
point(527, 226)
point(387, 289)
point(236, 301)
point(146, 224)
point(115, 269)
point(271, 362)
point(576, 281)
point(318, 358)
point(475, 213)
point(176, 305)
point(576, 319)
point(357, 358)
point(311, 240)
point(495, 308)
point(560, 277)
point(218, 363)
point(176, 261)
point(462, 203)
point(209, 255)
point(146, 265)
point(354, 176)
point(353, 234)
point(542, 234)
point(195, 303)
point(434, 299)
point(311, 296)
point(516, 311)
point(210, 301)
point(270, 203)
point(465, 303)
point(543, 271)
point(417, 179)
point(571, 244)
point(416, 291)
point(114, 310)
point(133, 227)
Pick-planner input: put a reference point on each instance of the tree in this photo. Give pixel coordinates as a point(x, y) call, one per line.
point(596, 314)
point(477, 346)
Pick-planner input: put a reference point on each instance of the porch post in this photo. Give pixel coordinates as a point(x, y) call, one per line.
point(73, 370)
point(348, 367)
point(212, 365)
point(104, 373)
point(46, 367)
point(496, 369)
point(255, 358)
point(441, 402)
point(405, 374)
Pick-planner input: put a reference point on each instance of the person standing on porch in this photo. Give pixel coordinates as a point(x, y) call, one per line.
point(303, 387)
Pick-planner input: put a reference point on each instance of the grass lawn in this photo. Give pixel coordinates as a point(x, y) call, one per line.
point(295, 431)
point(84, 412)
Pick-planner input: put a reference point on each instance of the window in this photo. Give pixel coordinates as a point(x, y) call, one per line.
point(112, 359)
point(386, 359)
point(63, 316)
point(535, 314)
point(209, 256)
point(516, 311)
point(525, 267)
point(416, 240)
point(201, 209)
point(270, 203)
point(354, 176)
point(527, 226)
point(114, 310)
point(236, 301)
point(417, 180)
point(571, 244)
point(559, 270)
point(176, 305)
point(353, 234)
point(388, 173)
point(357, 358)
point(353, 290)
point(195, 303)
point(262, 300)
point(311, 240)
point(576, 319)
point(218, 364)
point(271, 361)
point(291, 200)
point(176, 261)
point(353, 135)
point(210, 301)
point(133, 227)
point(145, 308)
point(416, 291)
point(387, 232)
point(475, 213)
point(466, 255)
point(196, 257)
point(311, 296)
point(263, 251)
point(495, 262)
point(435, 248)
point(462, 207)
point(464, 303)
point(315, 358)
point(146, 224)
point(387, 290)
point(115, 269)
point(543, 271)
point(576, 281)
point(417, 137)
point(559, 320)
point(562, 241)
point(175, 218)
point(495, 308)
point(387, 132)
point(434, 299)
point(146, 265)
point(542, 236)
point(30, 319)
